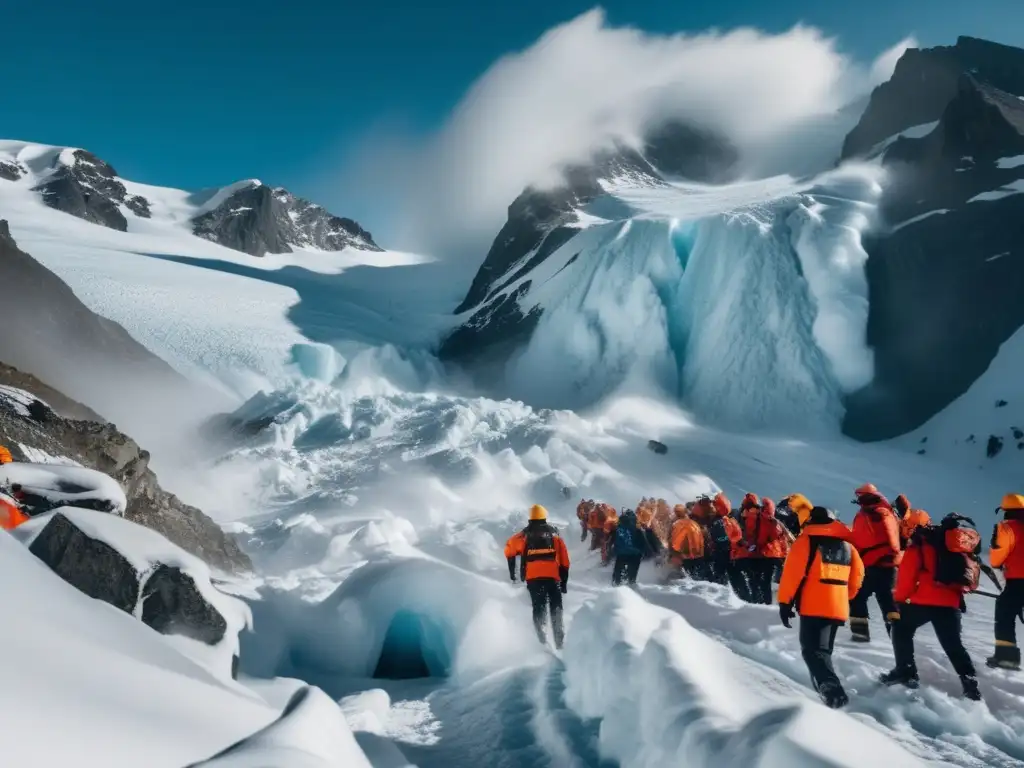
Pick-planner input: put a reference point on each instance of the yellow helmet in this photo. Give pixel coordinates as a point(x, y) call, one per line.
point(537, 512)
point(1013, 501)
point(802, 506)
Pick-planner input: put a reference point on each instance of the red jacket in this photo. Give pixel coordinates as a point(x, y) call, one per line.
point(915, 583)
point(876, 535)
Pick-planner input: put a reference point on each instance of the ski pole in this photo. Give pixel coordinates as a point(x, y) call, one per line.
point(988, 571)
point(993, 595)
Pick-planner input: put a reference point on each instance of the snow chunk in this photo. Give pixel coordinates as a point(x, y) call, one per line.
point(670, 695)
point(66, 485)
point(39, 456)
point(1010, 162)
point(18, 400)
point(311, 733)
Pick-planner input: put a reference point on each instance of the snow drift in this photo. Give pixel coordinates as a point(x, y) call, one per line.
point(669, 695)
point(60, 485)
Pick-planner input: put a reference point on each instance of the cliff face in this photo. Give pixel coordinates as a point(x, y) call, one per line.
point(101, 446)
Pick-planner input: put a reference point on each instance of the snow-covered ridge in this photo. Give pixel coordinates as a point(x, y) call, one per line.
point(244, 216)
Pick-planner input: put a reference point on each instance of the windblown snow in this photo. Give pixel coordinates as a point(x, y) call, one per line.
point(374, 492)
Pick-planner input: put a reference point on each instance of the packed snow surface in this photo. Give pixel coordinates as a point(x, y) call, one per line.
point(62, 485)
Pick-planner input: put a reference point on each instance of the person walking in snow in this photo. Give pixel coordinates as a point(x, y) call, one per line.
point(544, 566)
point(746, 558)
point(822, 574)
point(939, 567)
point(877, 539)
point(910, 519)
point(1008, 553)
point(630, 546)
point(583, 515)
point(766, 539)
point(686, 546)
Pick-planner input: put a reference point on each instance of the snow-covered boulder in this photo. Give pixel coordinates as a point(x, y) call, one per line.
point(47, 486)
point(311, 733)
point(141, 573)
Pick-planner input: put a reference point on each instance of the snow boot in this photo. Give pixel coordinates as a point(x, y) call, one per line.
point(906, 676)
point(970, 684)
point(860, 631)
point(832, 695)
point(1005, 657)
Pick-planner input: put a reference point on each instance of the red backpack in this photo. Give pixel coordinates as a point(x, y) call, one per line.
point(957, 546)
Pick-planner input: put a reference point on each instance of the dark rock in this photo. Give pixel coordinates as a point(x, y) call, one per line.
point(1018, 434)
point(85, 186)
point(540, 222)
point(995, 445)
point(958, 240)
point(99, 445)
point(1001, 403)
point(11, 171)
point(657, 447)
point(924, 439)
point(922, 452)
point(93, 567)
point(925, 81)
point(1020, 446)
point(173, 605)
point(259, 220)
point(970, 438)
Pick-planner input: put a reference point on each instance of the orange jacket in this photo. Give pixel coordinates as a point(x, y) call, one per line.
point(910, 523)
point(1008, 547)
point(876, 535)
point(644, 516)
point(5, 455)
point(11, 515)
point(687, 539)
point(583, 511)
point(915, 583)
point(611, 520)
point(542, 550)
point(595, 518)
point(823, 583)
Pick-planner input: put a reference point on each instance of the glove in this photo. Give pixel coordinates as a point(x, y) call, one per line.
point(786, 613)
point(565, 587)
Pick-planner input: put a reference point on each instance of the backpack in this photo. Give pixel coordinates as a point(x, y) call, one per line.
point(957, 548)
point(627, 541)
point(720, 541)
point(540, 545)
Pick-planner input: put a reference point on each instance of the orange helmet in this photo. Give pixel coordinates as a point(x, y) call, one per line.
point(749, 501)
point(722, 505)
point(867, 489)
point(1012, 501)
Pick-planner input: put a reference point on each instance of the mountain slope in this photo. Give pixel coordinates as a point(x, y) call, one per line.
point(247, 216)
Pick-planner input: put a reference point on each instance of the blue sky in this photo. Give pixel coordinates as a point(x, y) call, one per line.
point(195, 93)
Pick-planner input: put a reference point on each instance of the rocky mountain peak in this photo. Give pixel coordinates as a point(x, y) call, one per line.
point(258, 219)
point(85, 186)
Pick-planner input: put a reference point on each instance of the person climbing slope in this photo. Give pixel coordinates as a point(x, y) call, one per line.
point(876, 537)
point(595, 525)
point(725, 535)
point(822, 574)
point(940, 566)
point(791, 509)
point(1008, 553)
point(583, 515)
point(769, 538)
point(910, 519)
point(745, 553)
point(686, 545)
point(611, 522)
point(629, 546)
point(544, 566)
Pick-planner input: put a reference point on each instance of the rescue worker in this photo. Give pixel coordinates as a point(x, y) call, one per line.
point(1008, 553)
point(821, 576)
point(644, 523)
point(686, 545)
point(544, 566)
point(595, 524)
point(5, 455)
point(924, 600)
point(745, 553)
point(725, 537)
point(663, 522)
point(611, 521)
point(583, 514)
point(629, 546)
point(11, 515)
point(768, 540)
point(877, 539)
point(910, 519)
point(791, 509)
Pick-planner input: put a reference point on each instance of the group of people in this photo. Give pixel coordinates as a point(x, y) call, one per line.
point(917, 572)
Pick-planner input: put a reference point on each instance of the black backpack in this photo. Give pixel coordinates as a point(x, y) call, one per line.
point(720, 542)
point(957, 546)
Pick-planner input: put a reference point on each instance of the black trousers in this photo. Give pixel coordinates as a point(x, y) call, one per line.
point(760, 571)
point(817, 639)
point(736, 574)
point(1008, 608)
point(878, 583)
point(695, 568)
point(945, 621)
point(626, 569)
point(546, 594)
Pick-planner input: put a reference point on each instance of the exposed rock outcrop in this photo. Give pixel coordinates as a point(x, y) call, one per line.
point(944, 275)
point(257, 219)
point(102, 447)
point(173, 605)
point(85, 186)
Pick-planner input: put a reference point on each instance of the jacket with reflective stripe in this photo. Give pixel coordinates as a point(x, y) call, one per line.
point(542, 551)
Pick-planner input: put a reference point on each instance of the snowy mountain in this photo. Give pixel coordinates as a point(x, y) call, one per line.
point(247, 216)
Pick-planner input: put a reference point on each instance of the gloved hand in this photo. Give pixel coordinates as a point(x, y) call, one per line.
point(565, 587)
point(786, 613)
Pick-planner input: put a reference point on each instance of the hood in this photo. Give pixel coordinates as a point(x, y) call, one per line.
point(833, 528)
point(767, 507)
point(722, 505)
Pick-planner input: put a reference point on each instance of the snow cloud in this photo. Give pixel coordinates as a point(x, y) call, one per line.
point(585, 84)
